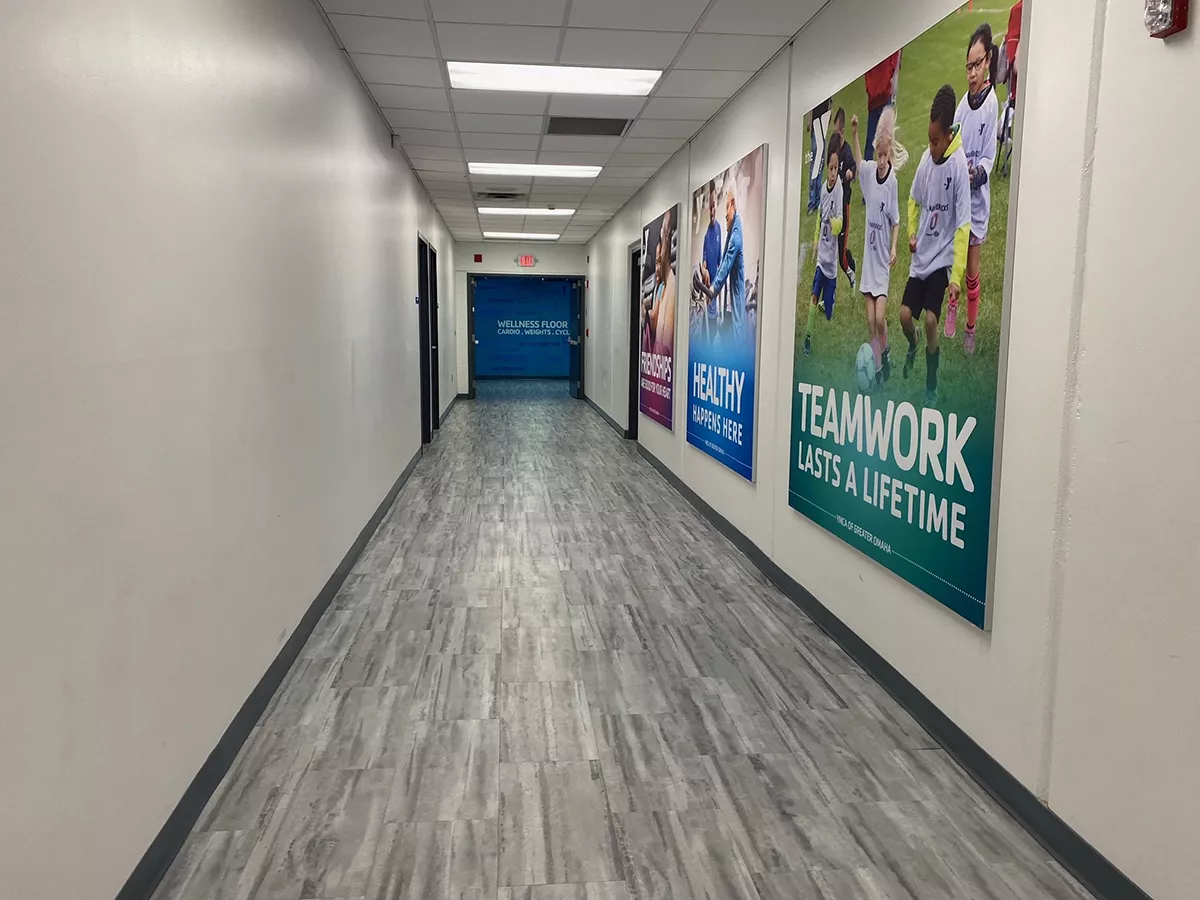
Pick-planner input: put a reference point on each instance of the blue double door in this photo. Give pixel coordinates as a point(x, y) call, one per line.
point(527, 327)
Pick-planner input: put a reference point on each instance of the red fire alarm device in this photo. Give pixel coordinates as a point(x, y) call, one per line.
point(1166, 17)
point(478, 257)
point(526, 262)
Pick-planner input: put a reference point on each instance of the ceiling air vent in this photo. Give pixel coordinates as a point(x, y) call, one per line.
point(587, 127)
point(499, 195)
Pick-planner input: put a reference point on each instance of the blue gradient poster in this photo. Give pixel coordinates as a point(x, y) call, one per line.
point(728, 217)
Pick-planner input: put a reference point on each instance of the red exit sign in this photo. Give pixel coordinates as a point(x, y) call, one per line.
point(526, 262)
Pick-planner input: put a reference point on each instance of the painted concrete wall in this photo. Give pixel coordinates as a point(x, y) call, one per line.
point(209, 381)
point(1082, 689)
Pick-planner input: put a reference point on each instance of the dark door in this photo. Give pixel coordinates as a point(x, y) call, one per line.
point(575, 339)
point(472, 341)
point(435, 369)
point(635, 343)
point(423, 343)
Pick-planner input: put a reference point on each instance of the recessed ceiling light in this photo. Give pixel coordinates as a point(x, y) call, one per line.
point(533, 170)
point(476, 76)
point(519, 236)
point(523, 211)
point(529, 169)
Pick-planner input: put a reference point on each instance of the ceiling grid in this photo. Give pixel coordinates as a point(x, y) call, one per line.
point(707, 51)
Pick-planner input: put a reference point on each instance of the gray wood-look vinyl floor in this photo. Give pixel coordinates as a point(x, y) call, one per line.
point(548, 678)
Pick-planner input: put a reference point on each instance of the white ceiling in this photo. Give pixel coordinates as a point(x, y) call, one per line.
point(708, 49)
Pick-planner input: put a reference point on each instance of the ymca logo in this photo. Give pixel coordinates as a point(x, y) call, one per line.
point(949, 179)
point(881, 208)
point(982, 126)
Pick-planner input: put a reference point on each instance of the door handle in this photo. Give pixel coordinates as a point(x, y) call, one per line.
point(477, 341)
point(573, 343)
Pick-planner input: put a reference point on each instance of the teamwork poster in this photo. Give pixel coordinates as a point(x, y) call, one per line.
point(728, 216)
point(660, 268)
point(900, 306)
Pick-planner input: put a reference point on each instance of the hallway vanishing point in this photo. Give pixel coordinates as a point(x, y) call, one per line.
point(550, 678)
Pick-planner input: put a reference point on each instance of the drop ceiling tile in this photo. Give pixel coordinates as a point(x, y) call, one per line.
point(565, 158)
point(759, 16)
point(499, 124)
point(498, 43)
point(681, 108)
point(702, 83)
point(681, 129)
point(396, 96)
point(731, 52)
point(654, 16)
point(419, 118)
point(568, 183)
point(508, 156)
point(607, 180)
point(621, 193)
point(455, 167)
point(499, 102)
point(423, 151)
point(501, 12)
point(620, 49)
point(427, 137)
point(643, 172)
point(501, 185)
point(580, 143)
point(558, 195)
point(376, 68)
point(651, 145)
point(399, 9)
point(486, 141)
point(598, 107)
point(621, 159)
point(372, 34)
point(468, 234)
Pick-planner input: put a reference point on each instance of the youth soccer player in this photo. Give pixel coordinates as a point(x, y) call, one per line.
point(939, 227)
point(977, 115)
point(881, 195)
point(847, 171)
point(825, 241)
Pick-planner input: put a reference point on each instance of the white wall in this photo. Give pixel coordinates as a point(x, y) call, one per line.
point(500, 258)
point(1084, 688)
point(1126, 725)
point(208, 382)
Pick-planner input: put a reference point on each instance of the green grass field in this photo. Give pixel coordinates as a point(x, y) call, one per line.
point(967, 385)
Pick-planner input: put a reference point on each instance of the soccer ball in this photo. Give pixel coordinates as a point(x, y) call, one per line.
point(864, 368)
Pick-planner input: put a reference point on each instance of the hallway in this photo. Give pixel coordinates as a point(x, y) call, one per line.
point(548, 677)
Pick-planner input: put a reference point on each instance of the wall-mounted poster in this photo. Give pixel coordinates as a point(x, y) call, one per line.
point(728, 227)
point(660, 266)
point(900, 306)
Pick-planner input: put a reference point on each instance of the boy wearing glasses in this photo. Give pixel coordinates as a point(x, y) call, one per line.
point(977, 117)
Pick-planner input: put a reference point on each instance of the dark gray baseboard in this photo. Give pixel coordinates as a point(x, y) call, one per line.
point(609, 419)
point(154, 864)
point(450, 408)
point(1075, 854)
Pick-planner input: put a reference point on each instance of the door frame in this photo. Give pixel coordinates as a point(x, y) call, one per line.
point(435, 328)
point(423, 342)
point(635, 342)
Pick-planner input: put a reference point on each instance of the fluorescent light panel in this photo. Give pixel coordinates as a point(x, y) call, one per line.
point(476, 76)
point(533, 170)
point(523, 211)
point(520, 236)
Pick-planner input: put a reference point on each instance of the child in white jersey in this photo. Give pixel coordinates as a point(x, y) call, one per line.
point(825, 242)
point(880, 192)
point(977, 117)
point(939, 228)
